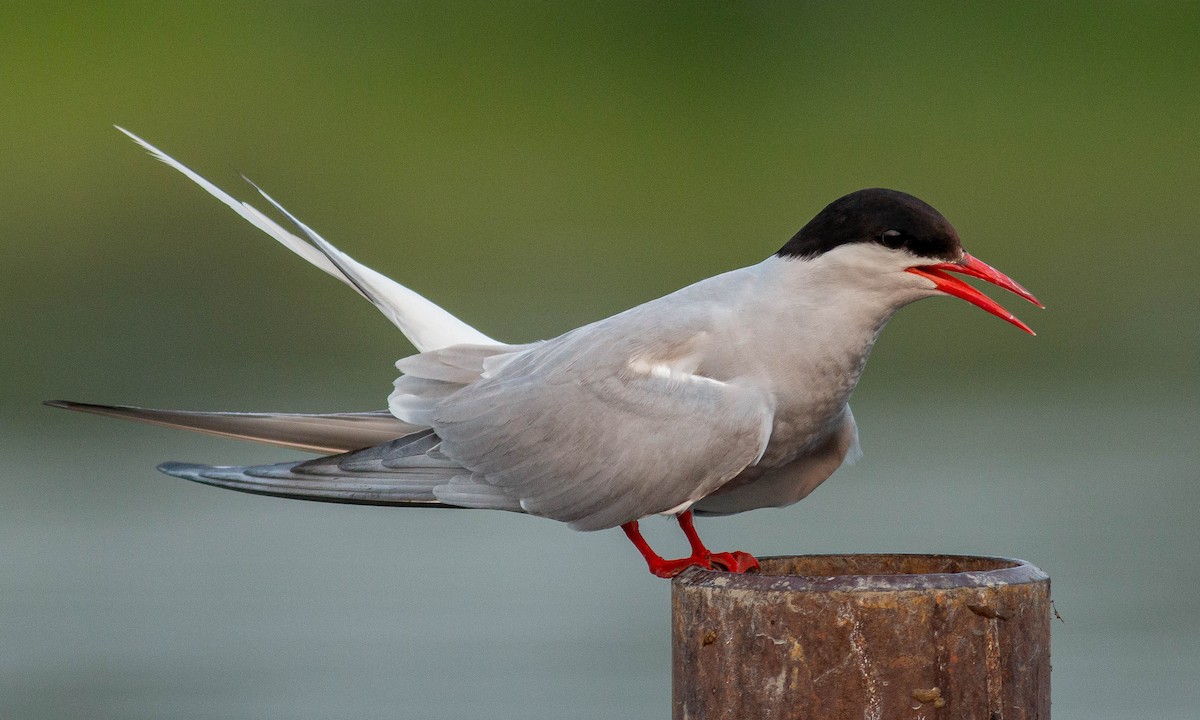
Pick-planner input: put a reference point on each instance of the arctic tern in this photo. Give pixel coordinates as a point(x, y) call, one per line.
point(728, 395)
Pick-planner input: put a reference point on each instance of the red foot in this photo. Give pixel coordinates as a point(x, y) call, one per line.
point(670, 568)
point(738, 562)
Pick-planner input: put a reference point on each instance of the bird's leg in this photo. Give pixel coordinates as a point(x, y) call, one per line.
point(736, 561)
point(733, 562)
point(658, 565)
point(689, 532)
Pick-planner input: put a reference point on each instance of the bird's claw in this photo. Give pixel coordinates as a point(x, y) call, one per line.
point(736, 561)
point(670, 568)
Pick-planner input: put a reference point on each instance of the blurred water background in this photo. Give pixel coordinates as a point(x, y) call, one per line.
point(533, 167)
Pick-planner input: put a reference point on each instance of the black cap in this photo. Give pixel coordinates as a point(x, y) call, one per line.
point(876, 215)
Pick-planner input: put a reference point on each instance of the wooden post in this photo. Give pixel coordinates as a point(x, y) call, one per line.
point(863, 636)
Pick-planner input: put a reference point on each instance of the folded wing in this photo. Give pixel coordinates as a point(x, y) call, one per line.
point(594, 442)
point(401, 472)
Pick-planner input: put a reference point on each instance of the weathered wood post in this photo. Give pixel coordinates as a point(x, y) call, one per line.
point(863, 636)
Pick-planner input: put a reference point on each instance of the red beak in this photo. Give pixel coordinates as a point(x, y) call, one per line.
point(975, 267)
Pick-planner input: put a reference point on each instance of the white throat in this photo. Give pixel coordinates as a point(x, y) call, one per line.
point(811, 325)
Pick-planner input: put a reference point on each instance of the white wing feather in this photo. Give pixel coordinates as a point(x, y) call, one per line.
point(425, 324)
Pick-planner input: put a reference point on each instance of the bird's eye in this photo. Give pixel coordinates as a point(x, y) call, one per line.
point(892, 238)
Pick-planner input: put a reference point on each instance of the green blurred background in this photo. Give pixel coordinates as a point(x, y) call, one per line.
point(533, 167)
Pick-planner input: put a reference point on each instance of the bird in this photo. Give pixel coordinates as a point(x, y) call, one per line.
point(728, 395)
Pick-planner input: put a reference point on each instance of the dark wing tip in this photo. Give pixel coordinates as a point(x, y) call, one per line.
point(86, 407)
point(187, 471)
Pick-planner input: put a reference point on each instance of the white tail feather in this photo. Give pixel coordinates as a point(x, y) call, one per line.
point(427, 326)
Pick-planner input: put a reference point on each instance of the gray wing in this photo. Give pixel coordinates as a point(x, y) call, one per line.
point(597, 427)
point(401, 472)
point(331, 432)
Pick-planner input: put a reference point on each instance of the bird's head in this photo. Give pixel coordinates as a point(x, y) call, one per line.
point(899, 243)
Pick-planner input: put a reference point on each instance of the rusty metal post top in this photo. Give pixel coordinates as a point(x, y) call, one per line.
point(868, 573)
point(819, 637)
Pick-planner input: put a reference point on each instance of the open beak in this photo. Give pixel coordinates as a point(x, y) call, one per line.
point(970, 265)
